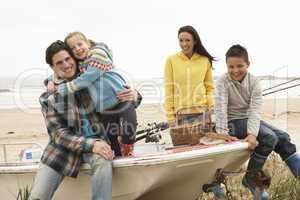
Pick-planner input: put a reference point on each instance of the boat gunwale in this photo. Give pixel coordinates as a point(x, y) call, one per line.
point(28, 167)
point(194, 153)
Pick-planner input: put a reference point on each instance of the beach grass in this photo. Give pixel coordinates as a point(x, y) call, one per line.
point(23, 193)
point(283, 185)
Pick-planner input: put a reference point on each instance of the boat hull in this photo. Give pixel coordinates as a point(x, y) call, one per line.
point(167, 175)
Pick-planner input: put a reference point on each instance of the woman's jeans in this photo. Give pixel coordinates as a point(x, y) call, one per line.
point(47, 180)
point(193, 118)
point(269, 139)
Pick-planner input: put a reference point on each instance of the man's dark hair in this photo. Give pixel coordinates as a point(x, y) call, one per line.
point(238, 51)
point(54, 48)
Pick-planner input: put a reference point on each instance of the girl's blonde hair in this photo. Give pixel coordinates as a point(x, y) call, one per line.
point(80, 35)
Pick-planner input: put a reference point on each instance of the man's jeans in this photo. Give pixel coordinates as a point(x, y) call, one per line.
point(47, 180)
point(269, 138)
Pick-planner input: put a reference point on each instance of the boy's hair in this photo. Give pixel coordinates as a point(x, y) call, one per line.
point(238, 51)
point(80, 35)
point(54, 48)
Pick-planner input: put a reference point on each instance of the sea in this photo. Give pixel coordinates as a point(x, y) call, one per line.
point(24, 92)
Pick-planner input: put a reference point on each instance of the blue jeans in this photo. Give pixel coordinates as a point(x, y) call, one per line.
point(193, 118)
point(47, 180)
point(270, 139)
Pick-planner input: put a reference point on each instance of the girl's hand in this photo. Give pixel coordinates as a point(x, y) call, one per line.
point(127, 95)
point(51, 87)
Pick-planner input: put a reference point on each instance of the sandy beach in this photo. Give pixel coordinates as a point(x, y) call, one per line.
point(17, 125)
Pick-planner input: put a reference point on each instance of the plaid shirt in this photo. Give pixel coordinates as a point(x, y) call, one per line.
point(67, 142)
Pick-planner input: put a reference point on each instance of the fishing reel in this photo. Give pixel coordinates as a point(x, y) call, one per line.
point(153, 138)
point(153, 132)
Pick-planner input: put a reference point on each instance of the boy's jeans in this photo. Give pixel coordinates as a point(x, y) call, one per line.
point(47, 180)
point(269, 138)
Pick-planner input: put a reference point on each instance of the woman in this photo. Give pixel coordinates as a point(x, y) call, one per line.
point(188, 78)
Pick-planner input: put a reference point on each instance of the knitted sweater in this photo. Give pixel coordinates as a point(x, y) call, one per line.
point(238, 100)
point(188, 83)
point(99, 56)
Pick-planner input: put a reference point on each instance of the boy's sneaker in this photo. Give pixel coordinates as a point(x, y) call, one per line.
point(218, 191)
point(257, 194)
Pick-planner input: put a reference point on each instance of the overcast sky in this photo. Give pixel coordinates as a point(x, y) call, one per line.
point(142, 33)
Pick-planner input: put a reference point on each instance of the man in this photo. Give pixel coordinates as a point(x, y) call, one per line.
point(75, 134)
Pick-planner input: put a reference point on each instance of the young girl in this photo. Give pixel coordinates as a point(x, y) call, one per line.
point(103, 82)
point(188, 78)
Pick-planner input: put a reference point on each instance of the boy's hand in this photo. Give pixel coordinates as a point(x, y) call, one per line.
point(51, 86)
point(251, 139)
point(103, 149)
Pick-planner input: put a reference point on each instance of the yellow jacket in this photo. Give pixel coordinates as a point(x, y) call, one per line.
point(188, 83)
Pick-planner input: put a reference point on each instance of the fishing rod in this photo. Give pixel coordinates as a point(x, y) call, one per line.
point(295, 79)
point(150, 134)
point(153, 126)
point(265, 94)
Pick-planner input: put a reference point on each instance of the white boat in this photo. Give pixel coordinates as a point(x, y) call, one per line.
point(154, 172)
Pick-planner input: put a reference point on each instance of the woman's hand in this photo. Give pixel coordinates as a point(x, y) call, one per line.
point(231, 139)
point(220, 136)
point(172, 123)
point(127, 95)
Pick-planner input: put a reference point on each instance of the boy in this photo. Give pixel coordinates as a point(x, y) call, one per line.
point(238, 103)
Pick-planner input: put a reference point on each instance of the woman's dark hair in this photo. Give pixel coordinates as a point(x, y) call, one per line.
point(198, 48)
point(54, 48)
point(238, 51)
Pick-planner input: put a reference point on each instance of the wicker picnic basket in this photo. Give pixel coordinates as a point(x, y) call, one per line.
point(190, 133)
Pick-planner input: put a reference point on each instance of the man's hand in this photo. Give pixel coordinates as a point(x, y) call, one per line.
point(51, 87)
point(251, 139)
point(127, 95)
point(103, 149)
